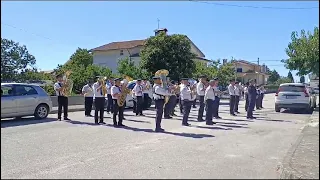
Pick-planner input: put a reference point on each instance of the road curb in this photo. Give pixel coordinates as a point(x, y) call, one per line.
point(69, 110)
point(288, 172)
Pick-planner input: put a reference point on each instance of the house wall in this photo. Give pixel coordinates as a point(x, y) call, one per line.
point(110, 58)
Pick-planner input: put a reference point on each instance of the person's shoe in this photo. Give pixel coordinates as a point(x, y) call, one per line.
point(96, 123)
point(101, 122)
point(142, 115)
point(67, 119)
point(59, 119)
point(194, 106)
point(121, 125)
point(233, 114)
point(167, 117)
point(185, 124)
point(200, 120)
point(124, 118)
point(218, 117)
point(238, 112)
point(159, 130)
point(209, 123)
point(173, 114)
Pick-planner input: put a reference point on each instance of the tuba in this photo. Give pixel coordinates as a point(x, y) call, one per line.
point(102, 81)
point(163, 73)
point(193, 87)
point(67, 84)
point(124, 91)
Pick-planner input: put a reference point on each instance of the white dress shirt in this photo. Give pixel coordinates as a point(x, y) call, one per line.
point(185, 93)
point(56, 86)
point(231, 90)
point(87, 91)
point(200, 89)
point(109, 85)
point(216, 90)
point(159, 92)
point(245, 90)
point(236, 90)
point(209, 93)
point(115, 90)
point(97, 93)
point(146, 91)
point(138, 90)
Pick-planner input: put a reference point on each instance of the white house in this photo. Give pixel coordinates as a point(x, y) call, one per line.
point(109, 54)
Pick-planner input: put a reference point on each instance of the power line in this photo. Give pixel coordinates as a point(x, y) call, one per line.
point(254, 7)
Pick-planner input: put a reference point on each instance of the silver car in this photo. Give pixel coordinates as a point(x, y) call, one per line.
point(19, 99)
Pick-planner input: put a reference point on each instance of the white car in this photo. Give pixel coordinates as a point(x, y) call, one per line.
point(19, 99)
point(294, 96)
point(316, 90)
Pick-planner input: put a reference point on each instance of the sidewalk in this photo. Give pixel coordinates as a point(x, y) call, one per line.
point(302, 161)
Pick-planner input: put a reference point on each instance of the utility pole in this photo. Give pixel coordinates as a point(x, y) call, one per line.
point(257, 81)
point(158, 23)
point(235, 69)
point(258, 61)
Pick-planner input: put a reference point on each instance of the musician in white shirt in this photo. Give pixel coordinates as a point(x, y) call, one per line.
point(201, 88)
point(159, 94)
point(62, 99)
point(115, 93)
point(87, 92)
point(237, 92)
point(209, 98)
point(146, 89)
point(187, 99)
point(217, 98)
point(109, 97)
point(99, 100)
point(138, 92)
point(231, 90)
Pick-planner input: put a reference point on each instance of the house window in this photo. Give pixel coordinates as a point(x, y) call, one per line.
point(239, 70)
point(121, 52)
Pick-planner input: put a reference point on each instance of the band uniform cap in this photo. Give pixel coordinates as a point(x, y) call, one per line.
point(144, 79)
point(211, 81)
point(216, 79)
point(117, 79)
point(138, 79)
point(184, 78)
point(203, 76)
point(156, 77)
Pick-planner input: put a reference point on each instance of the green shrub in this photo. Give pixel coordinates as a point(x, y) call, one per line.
point(49, 89)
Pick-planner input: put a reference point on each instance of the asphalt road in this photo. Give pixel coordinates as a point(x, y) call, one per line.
point(233, 148)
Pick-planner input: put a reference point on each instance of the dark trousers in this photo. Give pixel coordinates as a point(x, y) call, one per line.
point(186, 110)
point(99, 107)
point(261, 100)
point(236, 103)
point(247, 101)
point(201, 108)
point(110, 103)
point(258, 101)
point(251, 105)
point(62, 102)
point(159, 103)
point(88, 101)
point(180, 105)
point(145, 100)
point(174, 103)
point(231, 104)
point(210, 110)
point(194, 103)
point(139, 105)
point(134, 105)
point(117, 110)
point(216, 107)
point(168, 108)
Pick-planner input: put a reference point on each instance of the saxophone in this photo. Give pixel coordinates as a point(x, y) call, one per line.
point(124, 91)
point(193, 87)
point(67, 84)
point(163, 73)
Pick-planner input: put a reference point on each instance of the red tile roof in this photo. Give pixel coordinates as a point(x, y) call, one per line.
point(120, 45)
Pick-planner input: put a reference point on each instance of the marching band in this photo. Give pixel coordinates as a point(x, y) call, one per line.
point(166, 95)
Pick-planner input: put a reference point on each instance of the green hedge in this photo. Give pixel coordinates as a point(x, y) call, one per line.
point(271, 87)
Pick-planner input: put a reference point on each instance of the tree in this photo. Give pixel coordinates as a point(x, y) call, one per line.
point(127, 67)
point(302, 79)
point(274, 76)
point(225, 73)
point(14, 59)
point(172, 53)
point(303, 52)
point(290, 76)
point(210, 69)
point(283, 80)
point(82, 69)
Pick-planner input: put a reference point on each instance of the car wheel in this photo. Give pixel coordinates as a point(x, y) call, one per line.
point(277, 109)
point(41, 112)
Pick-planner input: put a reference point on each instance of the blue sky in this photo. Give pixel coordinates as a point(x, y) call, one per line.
point(52, 31)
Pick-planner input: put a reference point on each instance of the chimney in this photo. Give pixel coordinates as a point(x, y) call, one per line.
point(224, 61)
point(157, 31)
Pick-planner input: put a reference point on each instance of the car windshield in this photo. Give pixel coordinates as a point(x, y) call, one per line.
point(291, 88)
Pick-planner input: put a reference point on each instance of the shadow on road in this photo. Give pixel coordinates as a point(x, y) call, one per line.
point(189, 135)
point(24, 121)
point(292, 111)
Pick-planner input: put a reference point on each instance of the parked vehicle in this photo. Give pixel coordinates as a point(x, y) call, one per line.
point(21, 99)
point(129, 99)
point(295, 96)
point(316, 90)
